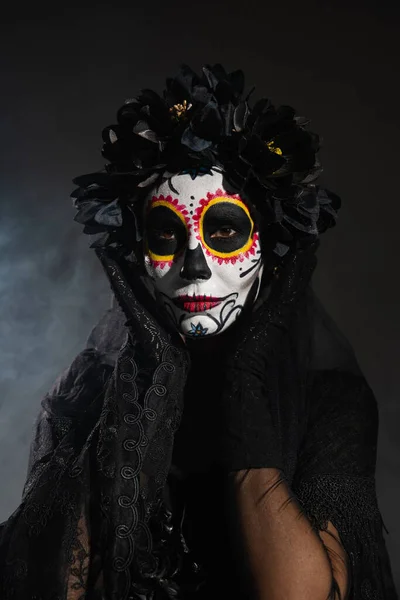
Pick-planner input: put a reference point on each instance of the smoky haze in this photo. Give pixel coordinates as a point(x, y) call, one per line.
point(64, 75)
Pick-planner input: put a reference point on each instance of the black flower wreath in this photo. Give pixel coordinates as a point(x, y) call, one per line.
point(266, 154)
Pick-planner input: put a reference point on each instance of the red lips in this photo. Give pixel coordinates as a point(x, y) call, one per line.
point(193, 303)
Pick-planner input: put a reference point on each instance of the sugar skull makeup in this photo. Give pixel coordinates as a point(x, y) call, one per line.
point(202, 251)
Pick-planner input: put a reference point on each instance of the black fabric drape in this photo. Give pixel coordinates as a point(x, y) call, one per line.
point(52, 546)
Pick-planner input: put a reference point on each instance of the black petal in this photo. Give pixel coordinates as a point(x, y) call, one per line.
point(223, 92)
point(240, 116)
point(110, 215)
point(258, 109)
point(149, 180)
point(210, 77)
point(87, 211)
point(194, 142)
point(207, 123)
point(201, 94)
point(128, 114)
point(101, 241)
point(226, 112)
point(179, 88)
point(142, 129)
point(236, 79)
point(218, 71)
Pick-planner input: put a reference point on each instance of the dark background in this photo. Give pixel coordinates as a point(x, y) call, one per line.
point(66, 70)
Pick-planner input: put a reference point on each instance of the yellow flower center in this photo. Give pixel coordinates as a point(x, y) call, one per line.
point(179, 110)
point(271, 146)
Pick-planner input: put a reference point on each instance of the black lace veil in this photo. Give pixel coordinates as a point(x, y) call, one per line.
point(96, 519)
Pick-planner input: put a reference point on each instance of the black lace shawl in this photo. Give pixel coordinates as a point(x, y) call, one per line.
point(60, 544)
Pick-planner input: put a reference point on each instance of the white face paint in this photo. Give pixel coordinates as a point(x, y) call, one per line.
point(202, 251)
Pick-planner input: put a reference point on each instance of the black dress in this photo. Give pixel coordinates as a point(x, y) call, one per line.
point(53, 545)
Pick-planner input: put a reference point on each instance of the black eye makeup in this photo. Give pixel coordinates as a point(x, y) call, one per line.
point(226, 228)
point(165, 232)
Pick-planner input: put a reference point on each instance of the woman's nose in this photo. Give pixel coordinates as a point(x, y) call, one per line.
point(195, 265)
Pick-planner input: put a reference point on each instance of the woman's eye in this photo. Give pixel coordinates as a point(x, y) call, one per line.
point(224, 232)
point(166, 234)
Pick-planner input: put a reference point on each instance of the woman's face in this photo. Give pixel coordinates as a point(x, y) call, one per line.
point(202, 251)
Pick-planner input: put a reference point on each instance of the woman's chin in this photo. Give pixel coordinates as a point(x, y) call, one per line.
point(200, 325)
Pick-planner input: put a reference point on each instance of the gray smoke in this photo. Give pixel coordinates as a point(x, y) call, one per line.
point(44, 323)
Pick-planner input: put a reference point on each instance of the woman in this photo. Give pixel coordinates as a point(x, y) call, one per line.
point(216, 437)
